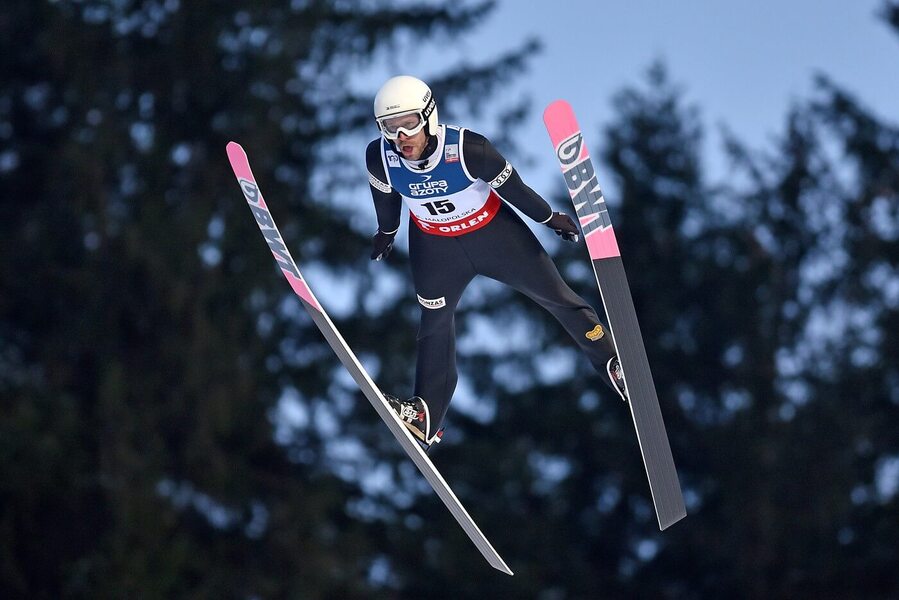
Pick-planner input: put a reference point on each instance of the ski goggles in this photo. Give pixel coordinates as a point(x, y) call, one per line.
point(408, 123)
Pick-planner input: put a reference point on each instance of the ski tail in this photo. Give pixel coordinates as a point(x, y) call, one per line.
point(602, 246)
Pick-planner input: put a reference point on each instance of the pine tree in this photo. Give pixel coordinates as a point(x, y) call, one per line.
point(165, 408)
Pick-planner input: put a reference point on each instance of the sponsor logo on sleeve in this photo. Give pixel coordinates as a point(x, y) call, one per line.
point(502, 177)
point(433, 304)
point(451, 153)
point(392, 159)
point(378, 184)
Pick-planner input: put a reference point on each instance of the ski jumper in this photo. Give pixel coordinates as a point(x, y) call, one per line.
point(460, 226)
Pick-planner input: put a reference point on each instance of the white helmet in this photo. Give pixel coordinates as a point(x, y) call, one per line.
point(405, 104)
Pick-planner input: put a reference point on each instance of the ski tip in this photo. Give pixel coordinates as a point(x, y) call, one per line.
point(233, 147)
point(556, 107)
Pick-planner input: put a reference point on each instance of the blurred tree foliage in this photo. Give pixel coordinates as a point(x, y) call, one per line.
point(164, 405)
point(173, 426)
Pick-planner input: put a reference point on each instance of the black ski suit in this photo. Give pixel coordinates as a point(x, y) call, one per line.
point(447, 253)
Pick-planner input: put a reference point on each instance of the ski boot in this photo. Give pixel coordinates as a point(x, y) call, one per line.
point(415, 416)
point(616, 376)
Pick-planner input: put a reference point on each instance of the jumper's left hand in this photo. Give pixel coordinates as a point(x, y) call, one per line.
point(563, 226)
point(381, 245)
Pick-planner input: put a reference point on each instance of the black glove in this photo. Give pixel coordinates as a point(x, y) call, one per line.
point(381, 245)
point(563, 226)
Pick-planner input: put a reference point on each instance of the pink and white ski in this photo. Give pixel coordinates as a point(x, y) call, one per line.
point(250, 189)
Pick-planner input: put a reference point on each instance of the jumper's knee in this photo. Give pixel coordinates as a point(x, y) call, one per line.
point(435, 321)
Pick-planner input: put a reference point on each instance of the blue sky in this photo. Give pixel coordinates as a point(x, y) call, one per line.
point(742, 62)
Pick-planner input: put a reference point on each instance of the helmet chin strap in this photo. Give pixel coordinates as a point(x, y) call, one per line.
point(430, 147)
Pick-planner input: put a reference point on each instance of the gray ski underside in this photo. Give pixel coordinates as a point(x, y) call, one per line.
point(644, 403)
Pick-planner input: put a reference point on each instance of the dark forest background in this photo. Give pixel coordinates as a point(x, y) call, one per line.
point(172, 425)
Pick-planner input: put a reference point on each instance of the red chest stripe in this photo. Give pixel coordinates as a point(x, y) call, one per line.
point(464, 225)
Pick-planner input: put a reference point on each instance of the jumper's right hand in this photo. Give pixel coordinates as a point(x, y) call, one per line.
point(381, 245)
